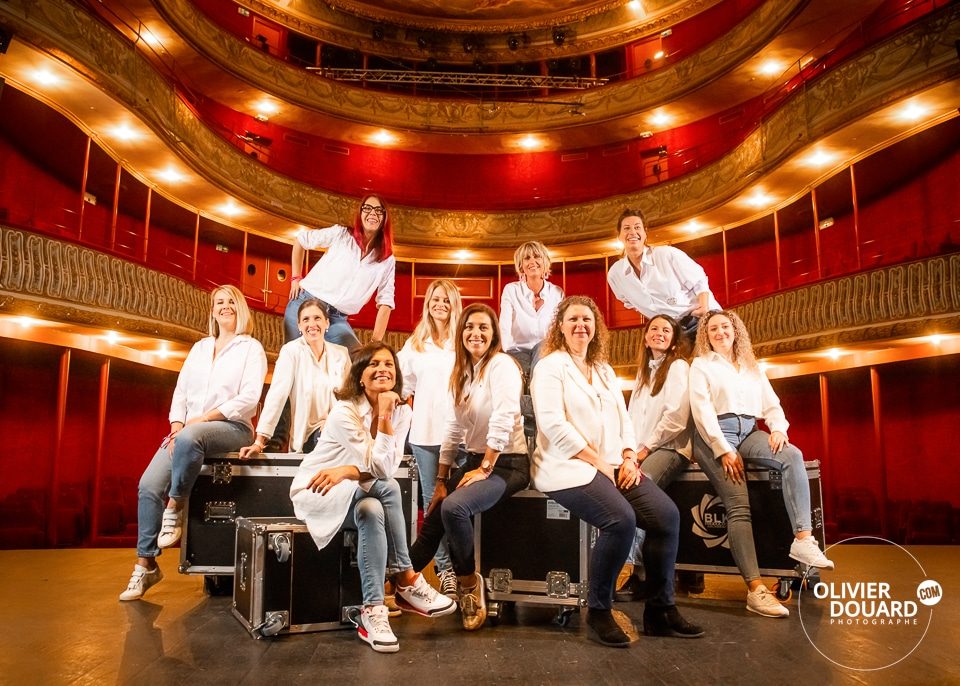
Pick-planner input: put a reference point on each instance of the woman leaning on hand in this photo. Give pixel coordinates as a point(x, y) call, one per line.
point(307, 372)
point(213, 404)
point(728, 393)
point(486, 386)
point(585, 460)
point(347, 482)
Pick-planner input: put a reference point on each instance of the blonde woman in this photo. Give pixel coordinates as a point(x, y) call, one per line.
point(728, 394)
point(213, 404)
point(426, 360)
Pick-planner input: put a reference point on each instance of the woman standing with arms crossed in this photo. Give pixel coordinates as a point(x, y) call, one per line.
point(585, 460)
point(485, 385)
point(347, 482)
point(213, 404)
point(426, 360)
point(728, 393)
point(307, 372)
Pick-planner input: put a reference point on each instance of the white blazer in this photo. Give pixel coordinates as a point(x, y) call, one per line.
point(572, 413)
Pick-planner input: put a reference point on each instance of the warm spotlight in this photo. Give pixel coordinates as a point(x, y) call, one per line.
point(913, 111)
point(265, 109)
point(170, 175)
point(692, 226)
point(658, 55)
point(383, 137)
point(820, 158)
point(635, 6)
point(660, 118)
point(462, 255)
point(124, 132)
point(230, 208)
point(45, 77)
point(834, 353)
point(758, 199)
point(935, 339)
point(530, 142)
point(770, 68)
point(112, 337)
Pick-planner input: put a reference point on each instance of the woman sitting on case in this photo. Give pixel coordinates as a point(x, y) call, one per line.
point(585, 460)
point(486, 386)
point(347, 482)
point(215, 399)
point(307, 372)
point(728, 393)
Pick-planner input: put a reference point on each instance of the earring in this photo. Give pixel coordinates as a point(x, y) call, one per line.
point(361, 385)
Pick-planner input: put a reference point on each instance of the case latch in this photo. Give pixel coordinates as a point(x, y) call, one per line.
point(501, 580)
point(558, 584)
point(222, 473)
point(219, 512)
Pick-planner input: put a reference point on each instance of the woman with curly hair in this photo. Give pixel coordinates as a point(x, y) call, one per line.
point(586, 460)
point(728, 394)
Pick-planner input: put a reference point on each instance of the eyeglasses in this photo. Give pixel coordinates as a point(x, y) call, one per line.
point(367, 209)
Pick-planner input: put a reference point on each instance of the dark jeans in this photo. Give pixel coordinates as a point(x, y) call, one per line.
point(455, 515)
point(617, 515)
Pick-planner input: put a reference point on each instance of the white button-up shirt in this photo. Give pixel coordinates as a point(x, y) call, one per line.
point(230, 383)
point(343, 277)
point(522, 326)
point(669, 283)
point(717, 387)
point(308, 383)
point(426, 376)
point(661, 420)
point(346, 441)
point(489, 414)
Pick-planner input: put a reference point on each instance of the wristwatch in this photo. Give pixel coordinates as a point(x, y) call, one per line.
point(486, 467)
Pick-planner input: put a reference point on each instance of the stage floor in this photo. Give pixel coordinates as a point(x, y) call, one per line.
point(63, 625)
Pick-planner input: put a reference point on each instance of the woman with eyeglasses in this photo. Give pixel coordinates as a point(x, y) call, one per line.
point(357, 262)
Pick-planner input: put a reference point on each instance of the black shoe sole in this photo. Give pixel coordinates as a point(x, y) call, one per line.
point(594, 636)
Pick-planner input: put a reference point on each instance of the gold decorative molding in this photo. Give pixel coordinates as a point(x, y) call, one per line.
point(379, 108)
point(911, 61)
point(62, 281)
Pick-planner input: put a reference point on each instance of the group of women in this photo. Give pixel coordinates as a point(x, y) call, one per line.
point(467, 372)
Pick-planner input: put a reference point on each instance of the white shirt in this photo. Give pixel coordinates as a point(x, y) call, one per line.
point(489, 415)
point(346, 441)
point(661, 420)
point(343, 277)
point(426, 375)
point(522, 326)
point(716, 387)
point(572, 413)
point(230, 383)
point(669, 283)
point(308, 383)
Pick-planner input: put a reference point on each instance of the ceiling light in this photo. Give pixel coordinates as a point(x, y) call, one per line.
point(764, 366)
point(935, 339)
point(617, 245)
point(660, 118)
point(124, 132)
point(692, 226)
point(658, 55)
point(25, 322)
point(913, 111)
point(530, 142)
point(635, 5)
point(45, 77)
point(820, 158)
point(383, 137)
point(112, 337)
point(770, 68)
point(834, 353)
point(164, 351)
point(150, 37)
point(462, 254)
point(758, 199)
point(265, 109)
point(230, 208)
point(170, 175)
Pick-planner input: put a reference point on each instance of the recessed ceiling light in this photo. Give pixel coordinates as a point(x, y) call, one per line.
point(820, 158)
point(230, 208)
point(151, 37)
point(834, 353)
point(617, 245)
point(770, 68)
point(25, 322)
point(265, 109)
point(660, 118)
point(462, 254)
point(692, 226)
point(530, 142)
point(635, 5)
point(383, 137)
point(913, 111)
point(936, 339)
point(44, 77)
point(758, 199)
point(658, 55)
point(124, 132)
point(764, 366)
point(170, 175)
point(112, 337)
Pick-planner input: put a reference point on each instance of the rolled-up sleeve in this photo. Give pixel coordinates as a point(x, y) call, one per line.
point(506, 384)
point(314, 239)
point(547, 389)
point(386, 452)
point(704, 412)
point(387, 285)
point(772, 411)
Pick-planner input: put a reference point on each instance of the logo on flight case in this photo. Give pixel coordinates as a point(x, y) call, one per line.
point(710, 521)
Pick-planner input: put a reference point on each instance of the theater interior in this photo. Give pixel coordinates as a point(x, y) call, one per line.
point(804, 152)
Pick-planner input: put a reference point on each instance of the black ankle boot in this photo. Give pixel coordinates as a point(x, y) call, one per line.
point(666, 621)
point(603, 628)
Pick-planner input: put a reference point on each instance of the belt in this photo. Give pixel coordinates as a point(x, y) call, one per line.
point(733, 415)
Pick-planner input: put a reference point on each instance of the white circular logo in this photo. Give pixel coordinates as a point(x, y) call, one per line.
point(890, 607)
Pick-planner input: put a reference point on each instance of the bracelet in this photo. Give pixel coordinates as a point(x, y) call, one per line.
point(381, 417)
point(442, 479)
point(295, 278)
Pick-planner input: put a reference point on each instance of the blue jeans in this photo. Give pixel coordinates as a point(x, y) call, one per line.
point(173, 475)
point(340, 331)
point(455, 515)
point(662, 466)
point(753, 446)
point(428, 460)
point(377, 517)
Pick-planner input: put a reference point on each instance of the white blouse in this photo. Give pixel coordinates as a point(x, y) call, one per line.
point(717, 387)
point(344, 277)
point(426, 376)
point(661, 421)
point(572, 413)
point(522, 326)
point(230, 383)
point(308, 383)
point(346, 441)
point(489, 414)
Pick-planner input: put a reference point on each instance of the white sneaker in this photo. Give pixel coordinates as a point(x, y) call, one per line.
point(141, 579)
point(763, 602)
point(423, 599)
point(373, 627)
point(448, 583)
point(171, 528)
point(807, 551)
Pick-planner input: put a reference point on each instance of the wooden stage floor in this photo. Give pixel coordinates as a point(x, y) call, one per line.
point(63, 625)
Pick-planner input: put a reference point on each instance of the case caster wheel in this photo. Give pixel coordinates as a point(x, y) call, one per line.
point(280, 545)
point(563, 617)
point(494, 613)
point(218, 584)
point(783, 591)
point(271, 626)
